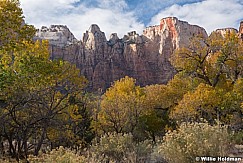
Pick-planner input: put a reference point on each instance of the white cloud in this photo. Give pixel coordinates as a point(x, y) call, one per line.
point(114, 15)
point(114, 4)
point(210, 14)
point(109, 15)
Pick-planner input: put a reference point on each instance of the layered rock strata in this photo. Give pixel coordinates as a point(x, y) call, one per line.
point(144, 57)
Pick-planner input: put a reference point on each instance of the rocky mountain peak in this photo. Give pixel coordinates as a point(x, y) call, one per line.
point(144, 57)
point(174, 32)
point(113, 39)
point(168, 23)
point(132, 38)
point(241, 27)
point(94, 28)
point(224, 31)
point(93, 37)
point(241, 30)
point(58, 35)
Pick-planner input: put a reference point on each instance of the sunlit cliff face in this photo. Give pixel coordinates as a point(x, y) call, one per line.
point(144, 57)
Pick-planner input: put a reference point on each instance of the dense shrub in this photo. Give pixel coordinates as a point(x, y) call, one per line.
point(237, 137)
point(59, 155)
point(119, 148)
point(192, 140)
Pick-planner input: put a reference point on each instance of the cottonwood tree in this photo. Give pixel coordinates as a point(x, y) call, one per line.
point(38, 99)
point(215, 60)
point(13, 32)
point(121, 107)
point(160, 101)
point(13, 28)
point(216, 63)
point(35, 92)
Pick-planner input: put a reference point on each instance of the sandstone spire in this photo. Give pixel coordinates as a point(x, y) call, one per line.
point(241, 30)
point(144, 57)
point(93, 37)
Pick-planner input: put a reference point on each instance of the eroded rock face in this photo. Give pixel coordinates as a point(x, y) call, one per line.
point(241, 30)
point(225, 31)
point(144, 57)
point(58, 35)
point(163, 40)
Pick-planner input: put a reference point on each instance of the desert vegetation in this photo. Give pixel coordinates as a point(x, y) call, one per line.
point(47, 115)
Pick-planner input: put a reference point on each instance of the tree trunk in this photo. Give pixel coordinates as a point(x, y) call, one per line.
point(37, 149)
point(1, 147)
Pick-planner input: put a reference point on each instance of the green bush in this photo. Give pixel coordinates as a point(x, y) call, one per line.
point(59, 155)
point(119, 148)
point(192, 140)
point(237, 137)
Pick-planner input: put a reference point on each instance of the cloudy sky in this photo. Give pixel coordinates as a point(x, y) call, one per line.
point(122, 16)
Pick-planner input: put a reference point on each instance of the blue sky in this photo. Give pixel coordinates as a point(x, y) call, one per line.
point(122, 16)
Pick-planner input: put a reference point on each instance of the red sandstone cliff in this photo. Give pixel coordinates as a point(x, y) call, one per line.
point(144, 57)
